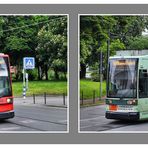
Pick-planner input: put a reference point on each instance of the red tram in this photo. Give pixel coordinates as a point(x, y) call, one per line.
point(6, 96)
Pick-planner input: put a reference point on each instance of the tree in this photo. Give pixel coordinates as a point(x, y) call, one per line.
point(20, 37)
point(52, 47)
point(138, 43)
point(93, 35)
point(96, 30)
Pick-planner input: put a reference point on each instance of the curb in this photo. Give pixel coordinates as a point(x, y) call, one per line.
point(40, 105)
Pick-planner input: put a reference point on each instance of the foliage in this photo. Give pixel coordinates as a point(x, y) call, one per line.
point(32, 74)
point(117, 32)
point(95, 76)
point(138, 43)
point(22, 36)
point(52, 47)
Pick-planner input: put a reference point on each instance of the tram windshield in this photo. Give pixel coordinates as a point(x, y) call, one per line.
point(122, 78)
point(5, 86)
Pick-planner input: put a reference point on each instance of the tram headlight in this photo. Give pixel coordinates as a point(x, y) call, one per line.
point(132, 102)
point(110, 101)
point(9, 100)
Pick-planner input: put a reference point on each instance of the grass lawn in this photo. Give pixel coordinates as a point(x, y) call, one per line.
point(39, 87)
point(88, 86)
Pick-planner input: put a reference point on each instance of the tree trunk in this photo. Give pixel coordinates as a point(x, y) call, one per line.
point(46, 72)
point(39, 73)
point(83, 71)
point(105, 74)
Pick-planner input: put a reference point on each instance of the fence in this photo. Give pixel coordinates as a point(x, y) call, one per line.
point(43, 99)
point(94, 99)
point(46, 99)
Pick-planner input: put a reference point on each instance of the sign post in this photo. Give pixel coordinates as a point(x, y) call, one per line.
point(28, 63)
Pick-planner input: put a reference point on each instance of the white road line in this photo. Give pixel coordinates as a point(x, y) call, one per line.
point(27, 121)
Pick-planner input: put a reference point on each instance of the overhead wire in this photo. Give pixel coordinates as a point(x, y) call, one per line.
point(31, 24)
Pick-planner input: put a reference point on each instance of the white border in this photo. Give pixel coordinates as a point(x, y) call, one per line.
point(67, 131)
point(79, 74)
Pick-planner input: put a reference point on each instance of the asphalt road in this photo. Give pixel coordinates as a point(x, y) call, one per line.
point(36, 118)
point(92, 119)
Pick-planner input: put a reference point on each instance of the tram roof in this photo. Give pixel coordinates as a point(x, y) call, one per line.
point(128, 57)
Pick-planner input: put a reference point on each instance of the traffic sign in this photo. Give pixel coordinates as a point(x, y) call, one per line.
point(29, 63)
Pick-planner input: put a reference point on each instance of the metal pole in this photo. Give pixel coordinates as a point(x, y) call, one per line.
point(26, 81)
point(24, 84)
point(100, 75)
point(45, 97)
point(107, 64)
point(82, 97)
point(63, 98)
point(108, 44)
point(94, 96)
point(33, 98)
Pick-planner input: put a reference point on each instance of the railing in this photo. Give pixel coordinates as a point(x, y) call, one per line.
point(45, 99)
point(93, 100)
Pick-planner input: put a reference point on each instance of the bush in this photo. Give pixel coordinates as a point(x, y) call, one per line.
point(13, 77)
point(18, 76)
point(51, 74)
point(62, 76)
point(32, 74)
point(95, 76)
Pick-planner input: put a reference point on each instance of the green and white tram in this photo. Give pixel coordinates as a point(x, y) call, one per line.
point(127, 88)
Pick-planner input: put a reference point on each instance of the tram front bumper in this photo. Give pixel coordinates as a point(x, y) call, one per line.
point(123, 115)
point(6, 115)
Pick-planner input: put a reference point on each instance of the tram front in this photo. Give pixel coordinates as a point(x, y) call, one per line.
point(122, 89)
point(6, 97)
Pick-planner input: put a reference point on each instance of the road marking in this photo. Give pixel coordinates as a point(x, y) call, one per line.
point(27, 121)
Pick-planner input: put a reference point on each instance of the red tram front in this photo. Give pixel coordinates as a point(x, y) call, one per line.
point(6, 96)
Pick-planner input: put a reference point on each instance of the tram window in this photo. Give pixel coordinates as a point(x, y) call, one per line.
point(143, 84)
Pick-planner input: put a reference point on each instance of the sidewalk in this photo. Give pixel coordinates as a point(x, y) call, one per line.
point(40, 100)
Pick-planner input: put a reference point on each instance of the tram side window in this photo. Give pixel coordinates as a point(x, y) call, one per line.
point(143, 83)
